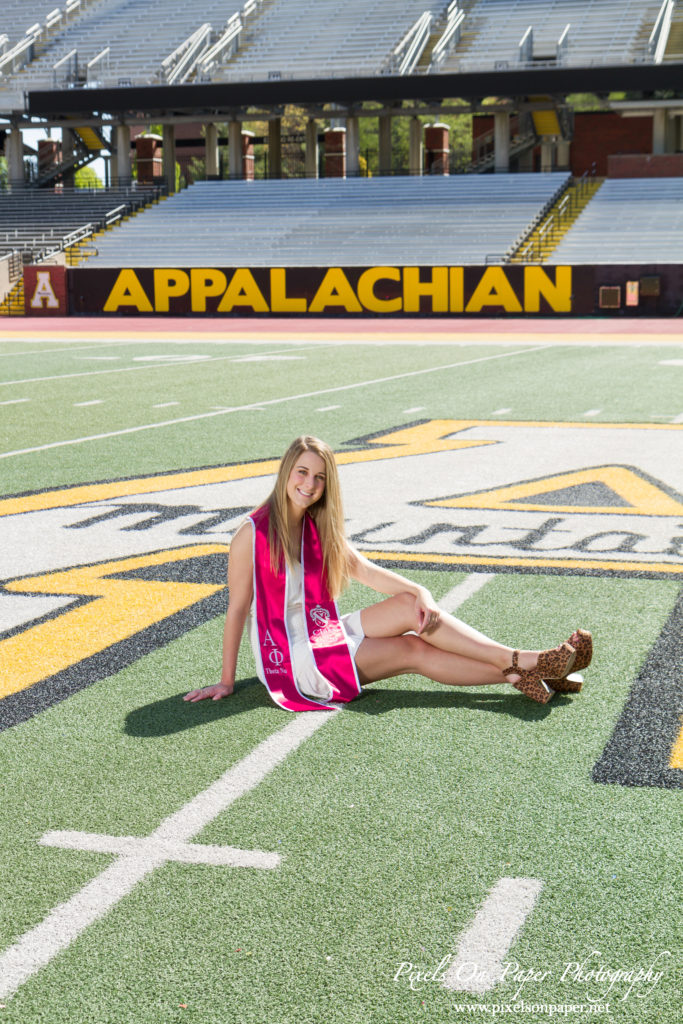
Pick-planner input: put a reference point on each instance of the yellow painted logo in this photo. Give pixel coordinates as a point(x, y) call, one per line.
point(335, 289)
point(86, 569)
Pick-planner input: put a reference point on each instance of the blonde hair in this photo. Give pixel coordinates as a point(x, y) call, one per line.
point(327, 512)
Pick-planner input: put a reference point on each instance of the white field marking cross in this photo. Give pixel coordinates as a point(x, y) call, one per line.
point(137, 857)
point(483, 946)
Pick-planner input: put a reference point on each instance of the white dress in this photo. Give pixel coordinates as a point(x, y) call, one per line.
point(309, 679)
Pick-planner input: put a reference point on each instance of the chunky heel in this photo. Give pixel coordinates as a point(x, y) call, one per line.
point(582, 642)
point(570, 684)
point(530, 682)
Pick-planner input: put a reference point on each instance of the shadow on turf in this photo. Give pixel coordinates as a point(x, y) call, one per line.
point(379, 701)
point(173, 714)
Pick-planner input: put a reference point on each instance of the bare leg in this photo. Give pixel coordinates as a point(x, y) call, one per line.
point(396, 616)
point(382, 658)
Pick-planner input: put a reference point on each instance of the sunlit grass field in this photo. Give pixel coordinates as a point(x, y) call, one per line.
point(393, 820)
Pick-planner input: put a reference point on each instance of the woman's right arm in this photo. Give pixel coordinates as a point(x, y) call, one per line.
point(240, 588)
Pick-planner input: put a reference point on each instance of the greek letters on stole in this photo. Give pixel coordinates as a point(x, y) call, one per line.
point(325, 633)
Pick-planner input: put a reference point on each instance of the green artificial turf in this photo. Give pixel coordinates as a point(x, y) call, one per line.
point(399, 815)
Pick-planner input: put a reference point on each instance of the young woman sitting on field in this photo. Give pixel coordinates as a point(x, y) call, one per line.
point(290, 560)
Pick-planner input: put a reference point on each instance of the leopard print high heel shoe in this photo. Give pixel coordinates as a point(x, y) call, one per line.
point(582, 642)
point(530, 682)
point(551, 665)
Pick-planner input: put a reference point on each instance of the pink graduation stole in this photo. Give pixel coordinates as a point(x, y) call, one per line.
point(325, 632)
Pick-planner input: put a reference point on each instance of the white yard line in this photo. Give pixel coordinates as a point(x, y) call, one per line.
point(138, 857)
point(155, 363)
point(64, 350)
point(457, 596)
point(273, 401)
point(478, 965)
point(484, 944)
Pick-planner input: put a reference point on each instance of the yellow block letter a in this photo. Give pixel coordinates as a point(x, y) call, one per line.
point(127, 291)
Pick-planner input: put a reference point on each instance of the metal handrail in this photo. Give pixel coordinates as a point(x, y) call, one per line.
point(659, 37)
point(563, 44)
point(24, 49)
point(408, 52)
point(180, 64)
point(53, 18)
point(75, 236)
point(116, 214)
point(230, 39)
point(449, 39)
point(96, 59)
point(526, 46)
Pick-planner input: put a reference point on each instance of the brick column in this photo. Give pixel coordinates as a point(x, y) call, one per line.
point(335, 153)
point(49, 155)
point(437, 150)
point(148, 158)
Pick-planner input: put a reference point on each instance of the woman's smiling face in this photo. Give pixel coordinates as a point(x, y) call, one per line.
point(306, 482)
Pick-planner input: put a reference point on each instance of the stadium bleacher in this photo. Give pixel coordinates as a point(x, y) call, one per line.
point(294, 38)
point(298, 39)
point(39, 223)
point(334, 222)
point(629, 220)
point(279, 38)
point(609, 32)
point(139, 36)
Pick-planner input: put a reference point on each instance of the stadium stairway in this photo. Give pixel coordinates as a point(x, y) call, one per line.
point(85, 248)
point(674, 46)
point(546, 235)
point(13, 304)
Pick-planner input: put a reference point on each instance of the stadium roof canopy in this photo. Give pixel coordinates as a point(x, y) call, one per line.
point(230, 99)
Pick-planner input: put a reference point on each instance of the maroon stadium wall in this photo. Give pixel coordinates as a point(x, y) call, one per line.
point(469, 291)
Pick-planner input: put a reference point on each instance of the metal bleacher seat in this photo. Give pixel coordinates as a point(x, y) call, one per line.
point(16, 16)
point(139, 36)
point(334, 222)
point(37, 223)
point(280, 38)
point(604, 32)
point(300, 39)
point(629, 220)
